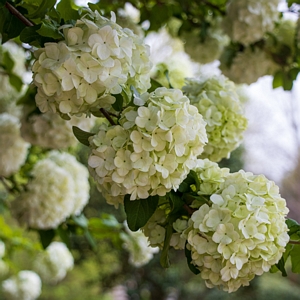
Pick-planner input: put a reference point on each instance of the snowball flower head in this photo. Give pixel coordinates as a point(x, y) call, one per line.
point(26, 285)
point(153, 149)
point(216, 99)
point(59, 188)
point(255, 61)
point(241, 233)
point(136, 243)
point(54, 263)
point(97, 58)
point(50, 131)
point(247, 21)
point(13, 150)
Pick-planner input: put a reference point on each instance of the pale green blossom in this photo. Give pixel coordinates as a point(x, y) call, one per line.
point(216, 99)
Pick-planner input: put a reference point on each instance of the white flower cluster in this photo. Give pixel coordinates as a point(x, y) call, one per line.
point(242, 234)
point(210, 176)
point(97, 58)
point(247, 21)
point(26, 285)
point(50, 131)
point(53, 264)
point(248, 66)
point(136, 243)
point(153, 149)
point(167, 54)
point(208, 50)
point(13, 151)
point(59, 188)
point(216, 99)
point(3, 266)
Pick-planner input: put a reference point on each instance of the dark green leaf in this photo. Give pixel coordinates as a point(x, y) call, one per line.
point(16, 82)
point(139, 211)
point(82, 136)
point(176, 202)
point(154, 85)
point(67, 10)
point(293, 73)
point(90, 239)
point(185, 185)
point(164, 257)
point(293, 226)
point(46, 237)
point(41, 10)
point(118, 105)
point(29, 35)
point(64, 234)
point(278, 79)
point(188, 256)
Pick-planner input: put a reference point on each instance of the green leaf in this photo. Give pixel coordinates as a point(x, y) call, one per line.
point(176, 202)
point(40, 10)
point(118, 105)
point(295, 258)
point(90, 239)
point(16, 82)
point(82, 136)
point(64, 234)
point(8, 62)
point(185, 185)
point(68, 10)
point(46, 237)
point(154, 85)
point(49, 30)
point(294, 228)
point(164, 257)
point(30, 36)
point(278, 79)
point(188, 256)
point(81, 221)
point(139, 211)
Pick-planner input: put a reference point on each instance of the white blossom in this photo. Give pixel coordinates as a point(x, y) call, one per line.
point(54, 263)
point(133, 161)
point(218, 102)
point(240, 233)
point(247, 21)
point(136, 243)
point(58, 188)
point(26, 285)
point(97, 58)
point(13, 150)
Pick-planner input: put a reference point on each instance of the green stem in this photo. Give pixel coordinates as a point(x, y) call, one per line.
point(16, 13)
point(294, 242)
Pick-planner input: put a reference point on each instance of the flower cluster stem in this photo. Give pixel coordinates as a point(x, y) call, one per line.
point(107, 116)
point(16, 13)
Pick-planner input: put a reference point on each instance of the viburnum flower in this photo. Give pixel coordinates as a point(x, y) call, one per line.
point(13, 152)
point(210, 48)
point(247, 21)
point(132, 160)
point(97, 58)
point(136, 243)
point(240, 233)
point(26, 285)
point(50, 131)
point(54, 263)
point(257, 63)
point(216, 99)
point(59, 188)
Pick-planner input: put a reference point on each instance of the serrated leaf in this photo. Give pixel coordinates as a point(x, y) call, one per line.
point(16, 82)
point(295, 258)
point(82, 136)
point(139, 211)
point(67, 11)
point(188, 256)
point(118, 104)
point(46, 237)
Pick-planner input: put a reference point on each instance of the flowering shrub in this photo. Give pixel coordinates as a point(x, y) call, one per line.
point(242, 233)
point(216, 99)
point(97, 58)
point(153, 149)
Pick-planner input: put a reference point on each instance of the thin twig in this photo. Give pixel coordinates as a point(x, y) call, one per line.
point(16, 13)
point(107, 116)
point(294, 242)
point(188, 209)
